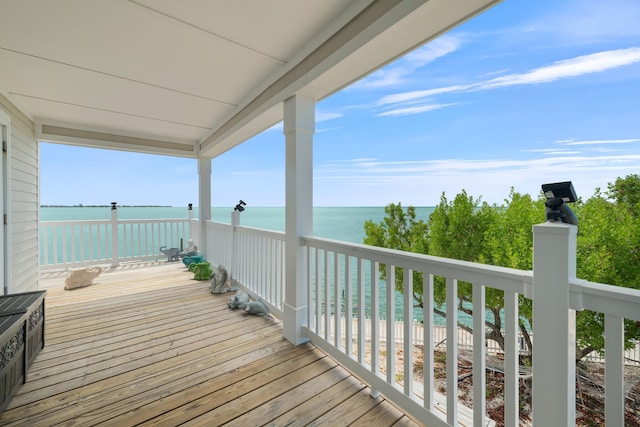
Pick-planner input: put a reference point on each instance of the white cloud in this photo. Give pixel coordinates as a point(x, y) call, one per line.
point(603, 150)
point(598, 142)
point(414, 110)
point(574, 67)
point(438, 48)
point(419, 94)
point(396, 73)
point(362, 159)
point(553, 151)
point(420, 182)
point(331, 129)
point(373, 167)
point(568, 68)
point(324, 116)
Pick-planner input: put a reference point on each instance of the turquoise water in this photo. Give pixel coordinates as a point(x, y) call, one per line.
point(340, 223)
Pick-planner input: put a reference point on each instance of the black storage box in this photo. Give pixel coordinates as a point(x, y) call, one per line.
point(21, 339)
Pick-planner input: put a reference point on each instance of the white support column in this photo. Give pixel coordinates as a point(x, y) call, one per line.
point(299, 125)
point(554, 325)
point(204, 201)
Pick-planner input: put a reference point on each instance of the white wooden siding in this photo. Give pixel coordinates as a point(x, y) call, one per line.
point(23, 201)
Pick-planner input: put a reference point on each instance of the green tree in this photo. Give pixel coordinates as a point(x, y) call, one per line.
point(457, 228)
point(498, 235)
point(626, 193)
point(608, 249)
point(510, 244)
point(399, 230)
point(510, 240)
point(608, 252)
point(466, 229)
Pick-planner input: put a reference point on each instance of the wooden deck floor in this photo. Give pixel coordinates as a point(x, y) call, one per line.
point(148, 345)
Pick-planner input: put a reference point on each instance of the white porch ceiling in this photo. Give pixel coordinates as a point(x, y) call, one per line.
point(196, 77)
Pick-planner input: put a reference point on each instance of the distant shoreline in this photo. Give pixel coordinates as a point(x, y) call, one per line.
point(225, 207)
point(105, 206)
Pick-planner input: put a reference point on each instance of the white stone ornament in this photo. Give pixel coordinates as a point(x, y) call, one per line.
point(82, 277)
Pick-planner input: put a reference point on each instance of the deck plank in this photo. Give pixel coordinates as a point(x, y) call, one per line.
point(349, 411)
point(280, 405)
point(238, 397)
point(148, 345)
point(181, 320)
point(92, 354)
point(383, 414)
point(145, 361)
point(152, 332)
point(320, 404)
point(131, 391)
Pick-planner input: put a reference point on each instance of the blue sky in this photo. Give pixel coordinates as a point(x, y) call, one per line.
point(529, 92)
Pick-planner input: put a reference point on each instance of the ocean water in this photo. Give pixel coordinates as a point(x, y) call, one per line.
point(340, 223)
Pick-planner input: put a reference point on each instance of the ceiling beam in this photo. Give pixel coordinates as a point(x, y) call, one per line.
point(372, 20)
point(83, 136)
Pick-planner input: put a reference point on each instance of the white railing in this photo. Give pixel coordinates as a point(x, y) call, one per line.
point(617, 304)
point(260, 267)
point(343, 283)
point(465, 339)
point(218, 248)
point(73, 243)
point(255, 259)
point(343, 280)
point(348, 274)
point(65, 244)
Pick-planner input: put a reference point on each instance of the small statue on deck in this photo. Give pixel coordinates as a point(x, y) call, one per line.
point(171, 253)
point(239, 300)
point(201, 270)
point(191, 250)
point(82, 277)
point(258, 308)
point(219, 282)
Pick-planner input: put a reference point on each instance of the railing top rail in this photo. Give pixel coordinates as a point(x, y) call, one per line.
point(154, 220)
point(108, 221)
point(608, 299)
point(71, 222)
point(507, 279)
